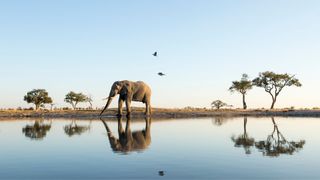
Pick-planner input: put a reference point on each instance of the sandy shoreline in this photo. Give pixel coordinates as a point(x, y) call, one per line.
point(157, 113)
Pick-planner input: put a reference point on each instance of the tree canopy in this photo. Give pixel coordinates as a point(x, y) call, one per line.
point(273, 83)
point(39, 97)
point(242, 87)
point(218, 104)
point(74, 98)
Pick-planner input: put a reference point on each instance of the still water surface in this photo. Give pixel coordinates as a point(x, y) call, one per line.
point(206, 148)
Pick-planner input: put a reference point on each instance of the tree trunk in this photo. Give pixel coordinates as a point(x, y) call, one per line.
point(273, 102)
point(244, 101)
point(245, 125)
point(73, 106)
point(37, 107)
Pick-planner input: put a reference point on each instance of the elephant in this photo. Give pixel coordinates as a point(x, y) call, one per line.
point(129, 91)
point(129, 141)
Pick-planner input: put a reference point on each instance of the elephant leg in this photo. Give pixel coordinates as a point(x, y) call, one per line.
point(148, 109)
point(128, 105)
point(120, 103)
point(120, 128)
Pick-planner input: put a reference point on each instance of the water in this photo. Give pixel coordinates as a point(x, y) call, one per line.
point(236, 148)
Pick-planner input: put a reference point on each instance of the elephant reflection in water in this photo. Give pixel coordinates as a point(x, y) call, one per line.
point(37, 131)
point(74, 129)
point(276, 143)
point(129, 141)
point(244, 140)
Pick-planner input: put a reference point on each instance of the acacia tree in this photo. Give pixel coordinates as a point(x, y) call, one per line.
point(38, 97)
point(218, 104)
point(274, 83)
point(242, 87)
point(74, 98)
point(89, 100)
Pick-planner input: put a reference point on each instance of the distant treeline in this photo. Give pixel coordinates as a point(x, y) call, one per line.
point(272, 83)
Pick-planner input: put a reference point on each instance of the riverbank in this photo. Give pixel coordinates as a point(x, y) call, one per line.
point(158, 113)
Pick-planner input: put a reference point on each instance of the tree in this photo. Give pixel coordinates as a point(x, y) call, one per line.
point(74, 98)
point(218, 104)
point(89, 100)
point(39, 97)
point(274, 83)
point(51, 106)
point(242, 87)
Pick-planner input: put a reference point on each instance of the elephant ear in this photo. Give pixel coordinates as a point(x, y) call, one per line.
point(126, 88)
point(118, 87)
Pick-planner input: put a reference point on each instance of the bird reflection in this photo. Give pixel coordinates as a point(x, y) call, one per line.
point(276, 143)
point(129, 141)
point(244, 140)
point(155, 54)
point(37, 131)
point(74, 129)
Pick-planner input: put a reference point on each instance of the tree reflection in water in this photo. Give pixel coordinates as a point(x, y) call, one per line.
point(129, 141)
point(218, 121)
point(74, 129)
point(276, 144)
point(36, 131)
point(244, 140)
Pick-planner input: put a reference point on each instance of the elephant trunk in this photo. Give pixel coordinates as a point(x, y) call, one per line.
point(107, 105)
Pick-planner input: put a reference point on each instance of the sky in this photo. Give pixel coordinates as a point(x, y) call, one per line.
point(203, 46)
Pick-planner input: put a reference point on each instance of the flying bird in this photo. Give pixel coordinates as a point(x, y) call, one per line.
point(161, 74)
point(155, 54)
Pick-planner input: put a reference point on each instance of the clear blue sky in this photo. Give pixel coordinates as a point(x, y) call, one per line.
point(85, 46)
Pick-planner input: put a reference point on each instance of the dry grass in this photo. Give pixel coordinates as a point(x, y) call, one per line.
point(160, 113)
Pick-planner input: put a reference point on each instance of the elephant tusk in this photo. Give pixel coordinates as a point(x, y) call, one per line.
point(105, 98)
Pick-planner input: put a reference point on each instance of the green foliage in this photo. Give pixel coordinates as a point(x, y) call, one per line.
point(39, 97)
point(74, 98)
point(241, 86)
point(274, 83)
point(218, 104)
